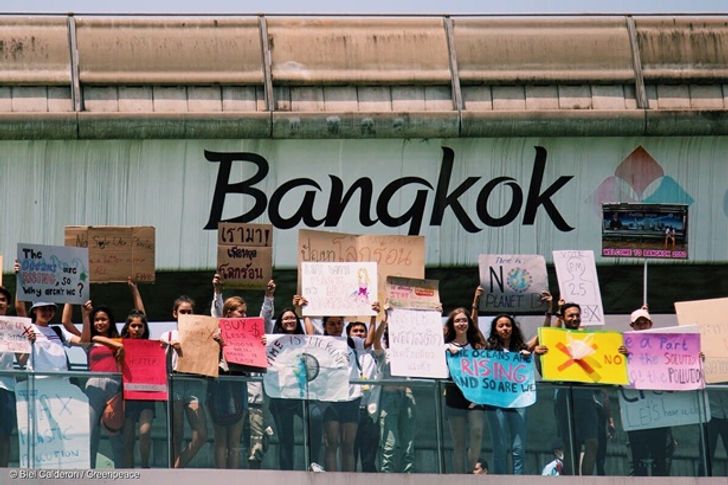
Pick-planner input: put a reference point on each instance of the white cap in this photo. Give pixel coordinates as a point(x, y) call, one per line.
point(641, 313)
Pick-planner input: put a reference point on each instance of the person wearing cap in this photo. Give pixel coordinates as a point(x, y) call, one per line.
point(7, 387)
point(48, 353)
point(649, 447)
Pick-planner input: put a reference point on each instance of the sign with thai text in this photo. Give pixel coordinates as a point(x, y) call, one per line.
point(416, 344)
point(339, 289)
point(245, 255)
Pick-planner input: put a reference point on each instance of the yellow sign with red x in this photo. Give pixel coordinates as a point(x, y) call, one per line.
point(583, 356)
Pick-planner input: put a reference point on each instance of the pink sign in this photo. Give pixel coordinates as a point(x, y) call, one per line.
point(664, 361)
point(144, 371)
point(243, 344)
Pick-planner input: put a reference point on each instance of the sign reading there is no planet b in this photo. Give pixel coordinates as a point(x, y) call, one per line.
point(512, 282)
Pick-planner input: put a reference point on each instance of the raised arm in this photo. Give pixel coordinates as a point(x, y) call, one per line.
point(67, 320)
point(20, 309)
point(217, 303)
point(298, 303)
point(377, 339)
point(268, 308)
point(372, 325)
point(135, 295)
point(476, 303)
point(86, 314)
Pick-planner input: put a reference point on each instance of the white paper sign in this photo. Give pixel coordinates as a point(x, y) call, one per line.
point(578, 283)
point(53, 426)
point(339, 289)
point(512, 282)
point(416, 344)
point(307, 367)
point(58, 274)
point(13, 334)
point(657, 409)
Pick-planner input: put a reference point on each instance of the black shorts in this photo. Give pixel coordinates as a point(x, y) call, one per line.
point(133, 408)
point(343, 412)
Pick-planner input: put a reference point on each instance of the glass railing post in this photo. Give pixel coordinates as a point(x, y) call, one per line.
point(439, 429)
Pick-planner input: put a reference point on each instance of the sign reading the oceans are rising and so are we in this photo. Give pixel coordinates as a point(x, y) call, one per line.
point(245, 254)
point(583, 356)
point(512, 282)
point(664, 361)
point(57, 274)
point(490, 377)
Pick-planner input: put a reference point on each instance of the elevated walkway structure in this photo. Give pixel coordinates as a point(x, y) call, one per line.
point(139, 77)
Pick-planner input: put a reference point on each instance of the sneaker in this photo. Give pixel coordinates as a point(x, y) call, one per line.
point(315, 467)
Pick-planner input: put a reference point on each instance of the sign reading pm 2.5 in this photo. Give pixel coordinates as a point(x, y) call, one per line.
point(57, 274)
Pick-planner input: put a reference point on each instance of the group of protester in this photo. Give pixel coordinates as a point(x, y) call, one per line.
point(376, 427)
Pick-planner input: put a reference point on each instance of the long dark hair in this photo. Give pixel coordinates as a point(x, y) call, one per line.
point(473, 334)
point(278, 327)
point(132, 315)
point(517, 342)
point(113, 332)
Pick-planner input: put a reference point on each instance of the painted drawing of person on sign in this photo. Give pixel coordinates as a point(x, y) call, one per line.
point(362, 293)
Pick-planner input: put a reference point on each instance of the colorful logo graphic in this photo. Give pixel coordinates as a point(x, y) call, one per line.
point(640, 178)
point(519, 280)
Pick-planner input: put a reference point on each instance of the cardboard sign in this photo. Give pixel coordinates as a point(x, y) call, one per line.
point(413, 293)
point(144, 371)
point(116, 252)
point(57, 274)
point(664, 361)
point(659, 409)
point(307, 367)
point(416, 344)
point(395, 255)
point(711, 317)
point(245, 254)
point(582, 356)
point(14, 334)
point(53, 425)
point(578, 283)
point(501, 379)
point(645, 231)
point(512, 282)
point(200, 352)
point(243, 344)
point(344, 289)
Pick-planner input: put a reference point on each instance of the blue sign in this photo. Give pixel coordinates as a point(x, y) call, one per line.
point(494, 378)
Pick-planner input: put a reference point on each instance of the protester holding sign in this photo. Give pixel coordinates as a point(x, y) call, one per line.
point(104, 350)
point(235, 307)
point(188, 393)
point(395, 410)
point(137, 411)
point(7, 384)
point(505, 335)
point(341, 419)
point(648, 446)
point(464, 417)
point(283, 410)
